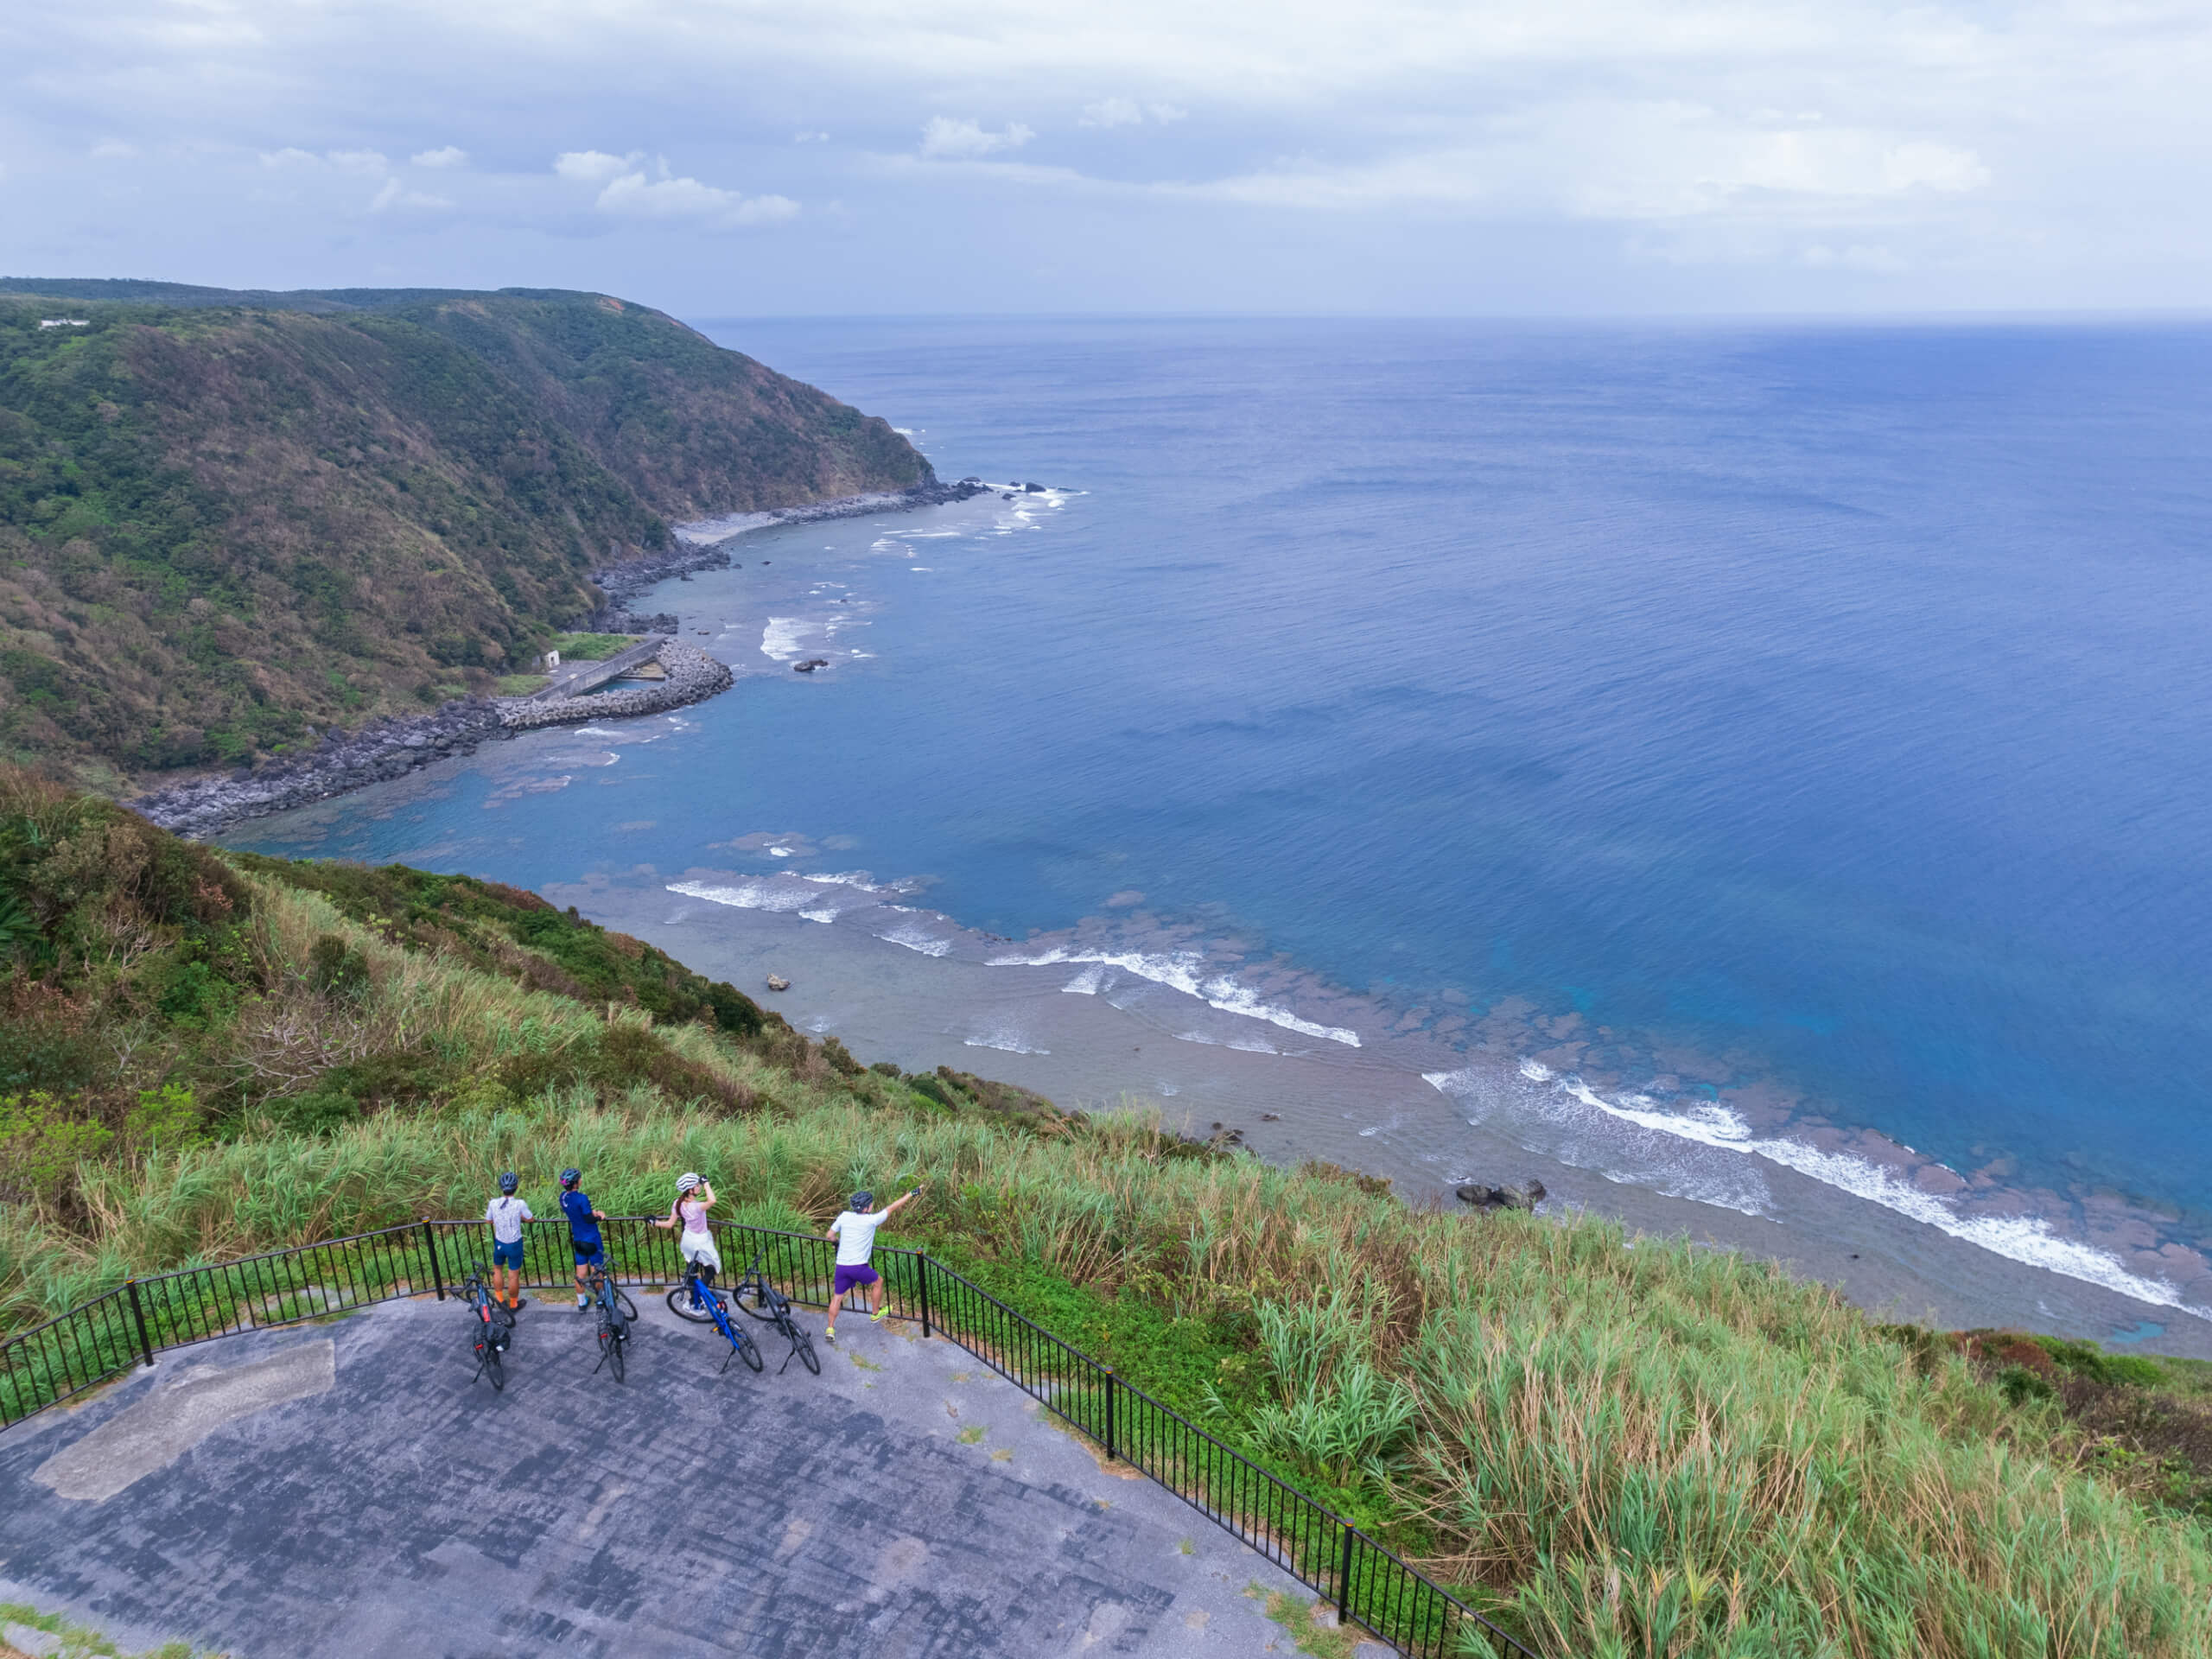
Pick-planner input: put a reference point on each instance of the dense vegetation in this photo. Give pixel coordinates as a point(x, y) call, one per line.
point(1619, 1446)
point(226, 520)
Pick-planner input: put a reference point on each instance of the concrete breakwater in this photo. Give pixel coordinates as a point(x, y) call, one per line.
point(692, 676)
point(391, 748)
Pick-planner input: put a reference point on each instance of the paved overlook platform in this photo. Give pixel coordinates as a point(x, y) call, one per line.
point(344, 1489)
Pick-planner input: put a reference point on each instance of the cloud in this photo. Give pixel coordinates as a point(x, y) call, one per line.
point(114, 150)
point(393, 196)
point(593, 166)
point(1127, 113)
point(626, 193)
point(1933, 167)
point(449, 156)
point(1878, 260)
point(369, 162)
point(945, 139)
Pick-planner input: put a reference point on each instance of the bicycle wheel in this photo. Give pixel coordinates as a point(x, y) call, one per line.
point(804, 1346)
point(748, 1350)
point(488, 1352)
point(622, 1300)
point(613, 1339)
point(753, 1297)
point(681, 1304)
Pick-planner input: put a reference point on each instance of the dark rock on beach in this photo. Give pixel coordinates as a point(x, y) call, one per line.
point(1526, 1195)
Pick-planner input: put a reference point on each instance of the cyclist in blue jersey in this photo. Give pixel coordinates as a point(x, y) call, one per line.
point(583, 1232)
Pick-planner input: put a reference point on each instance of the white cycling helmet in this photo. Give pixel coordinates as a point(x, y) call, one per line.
point(685, 1182)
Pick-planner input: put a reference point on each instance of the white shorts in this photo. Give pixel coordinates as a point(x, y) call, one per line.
point(700, 1247)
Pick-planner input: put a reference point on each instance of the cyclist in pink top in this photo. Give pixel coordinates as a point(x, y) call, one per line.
point(693, 1197)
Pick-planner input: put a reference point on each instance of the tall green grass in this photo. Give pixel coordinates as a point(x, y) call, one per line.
point(1646, 1451)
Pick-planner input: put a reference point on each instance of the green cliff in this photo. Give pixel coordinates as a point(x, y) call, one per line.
point(228, 518)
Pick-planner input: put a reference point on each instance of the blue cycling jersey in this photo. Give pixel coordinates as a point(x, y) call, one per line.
point(583, 1226)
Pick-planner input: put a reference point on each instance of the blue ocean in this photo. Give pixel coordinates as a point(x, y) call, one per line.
point(1795, 730)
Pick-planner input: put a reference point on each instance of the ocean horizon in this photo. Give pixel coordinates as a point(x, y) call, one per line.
point(1754, 774)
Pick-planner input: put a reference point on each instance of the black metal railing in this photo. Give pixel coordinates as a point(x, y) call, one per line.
point(1371, 1586)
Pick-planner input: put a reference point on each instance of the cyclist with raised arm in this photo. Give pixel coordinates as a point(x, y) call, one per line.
point(584, 1242)
point(506, 1214)
point(694, 1197)
point(854, 1231)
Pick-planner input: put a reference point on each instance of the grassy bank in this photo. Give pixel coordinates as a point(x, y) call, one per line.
point(1617, 1446)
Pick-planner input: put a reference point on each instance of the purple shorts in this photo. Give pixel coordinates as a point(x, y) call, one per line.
point(849, 1278)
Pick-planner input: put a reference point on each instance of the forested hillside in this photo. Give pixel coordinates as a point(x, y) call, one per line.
point(225, 520)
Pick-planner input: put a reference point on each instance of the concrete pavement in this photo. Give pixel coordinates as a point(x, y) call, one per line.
point(344, 1489)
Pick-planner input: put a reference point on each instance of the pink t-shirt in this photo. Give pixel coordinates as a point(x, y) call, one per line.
point(694, 1214)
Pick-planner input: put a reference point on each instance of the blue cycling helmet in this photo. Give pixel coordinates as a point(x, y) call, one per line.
point(508, 1182)
point(570, 1177)
point(863, 1200)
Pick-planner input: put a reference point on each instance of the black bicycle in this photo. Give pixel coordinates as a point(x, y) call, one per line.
point(617, 1314)
point(753, 1294)
point(492, 1329)
point(701, 1303)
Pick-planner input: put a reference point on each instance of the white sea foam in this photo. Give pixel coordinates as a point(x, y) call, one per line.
point(1182, 970)
point(1537, 1071)
point(824, 914)
point(914, 938)
point(781, 638)
point(1087, 982)
point(779, 852)
point(844, 879)
point(769, 893)
point(2027, 1239)
point(1008, 1039)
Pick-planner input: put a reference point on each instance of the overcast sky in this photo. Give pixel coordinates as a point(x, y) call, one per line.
point(724, 157)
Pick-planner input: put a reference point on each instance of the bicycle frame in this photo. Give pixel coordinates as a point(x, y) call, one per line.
point(705, 1294)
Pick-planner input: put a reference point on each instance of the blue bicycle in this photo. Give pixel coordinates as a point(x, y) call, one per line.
point(701, 1303)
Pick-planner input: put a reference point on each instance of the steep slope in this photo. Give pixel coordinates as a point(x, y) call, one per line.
point(223, 524)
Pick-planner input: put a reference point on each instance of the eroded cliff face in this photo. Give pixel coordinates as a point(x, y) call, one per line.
point(224, 526)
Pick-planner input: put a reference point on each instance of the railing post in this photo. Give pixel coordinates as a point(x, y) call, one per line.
point(431, 1243)
point(138, 1314)
point(1113, 1453)
point(922, 1270)
point(1344, 1575)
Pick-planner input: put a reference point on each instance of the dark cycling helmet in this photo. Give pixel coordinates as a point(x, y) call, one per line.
point(508, 1182)
point(861, 1200)
point(571, 1177)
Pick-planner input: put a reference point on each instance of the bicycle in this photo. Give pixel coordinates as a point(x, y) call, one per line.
point(494, 1330)
point(755, 1296)
point(617, 1314)
point(700, 1303)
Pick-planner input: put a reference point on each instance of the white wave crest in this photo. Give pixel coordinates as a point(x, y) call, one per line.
point(2030, 1240)
point(1182, 970)
point(1006, 1038)
point(782, 637)
point(915, 939)
point(1537, 1071)
point(769, 894)
point(1087, 982)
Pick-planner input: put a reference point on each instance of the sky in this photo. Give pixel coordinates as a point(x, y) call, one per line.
point(852, 157)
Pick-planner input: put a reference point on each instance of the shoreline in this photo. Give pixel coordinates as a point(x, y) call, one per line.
point(392, 746)
point(1135, 1009)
